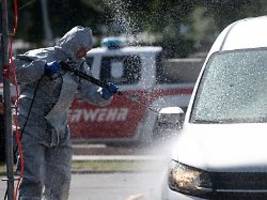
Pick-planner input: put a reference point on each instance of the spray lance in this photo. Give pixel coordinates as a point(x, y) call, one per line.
point(100, 83)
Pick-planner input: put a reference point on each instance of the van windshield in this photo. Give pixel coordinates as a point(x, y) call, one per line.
point(233, 88)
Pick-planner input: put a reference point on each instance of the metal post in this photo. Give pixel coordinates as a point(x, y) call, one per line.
point(47, 27)
point(7, 104)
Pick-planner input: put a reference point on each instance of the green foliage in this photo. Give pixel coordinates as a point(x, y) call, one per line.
point(180, 26)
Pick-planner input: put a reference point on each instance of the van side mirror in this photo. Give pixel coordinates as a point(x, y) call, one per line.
point(169, 120)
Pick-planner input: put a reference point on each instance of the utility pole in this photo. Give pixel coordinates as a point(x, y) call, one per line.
point(7, 103)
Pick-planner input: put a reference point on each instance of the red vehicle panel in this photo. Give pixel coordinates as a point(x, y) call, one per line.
point(88, 121)
point(120, 119)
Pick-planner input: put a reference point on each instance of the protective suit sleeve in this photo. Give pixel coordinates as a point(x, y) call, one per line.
point(90, 92)
point(29, 71)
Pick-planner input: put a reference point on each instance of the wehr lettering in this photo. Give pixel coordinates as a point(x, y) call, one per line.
point(98, 115)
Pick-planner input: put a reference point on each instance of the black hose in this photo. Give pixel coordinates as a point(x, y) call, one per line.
point(29, 112)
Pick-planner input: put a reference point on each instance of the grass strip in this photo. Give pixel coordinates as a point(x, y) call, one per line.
point(113, 165)
point(106, 166)
point(2, 169)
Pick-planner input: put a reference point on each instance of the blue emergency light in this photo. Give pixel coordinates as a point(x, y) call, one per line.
point(113, 43)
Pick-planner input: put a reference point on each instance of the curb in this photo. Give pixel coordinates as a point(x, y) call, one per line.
point(111, 171)
point(116, 158)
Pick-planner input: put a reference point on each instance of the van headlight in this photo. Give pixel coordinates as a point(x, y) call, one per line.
point(188, 180)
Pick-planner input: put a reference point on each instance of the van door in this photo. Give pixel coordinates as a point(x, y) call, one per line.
point(120, 119)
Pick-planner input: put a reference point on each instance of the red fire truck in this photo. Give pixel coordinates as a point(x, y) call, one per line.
point(147, 82)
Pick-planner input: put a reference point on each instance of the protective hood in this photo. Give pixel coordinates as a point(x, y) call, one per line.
point(74, 39)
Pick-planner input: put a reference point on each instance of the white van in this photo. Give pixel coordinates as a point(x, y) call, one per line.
point(222, 151)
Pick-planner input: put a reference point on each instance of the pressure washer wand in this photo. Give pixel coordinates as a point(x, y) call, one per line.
point(100, 83)
point(82, 75)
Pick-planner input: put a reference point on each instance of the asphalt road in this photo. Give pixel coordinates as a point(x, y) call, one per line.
point(112, 186)
point(143, 185)
point(117, 186)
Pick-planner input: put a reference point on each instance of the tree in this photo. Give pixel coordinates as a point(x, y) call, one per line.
point(181, 27)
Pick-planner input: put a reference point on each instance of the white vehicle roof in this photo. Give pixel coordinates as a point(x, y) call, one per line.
point(242, 34)
point(124, 50)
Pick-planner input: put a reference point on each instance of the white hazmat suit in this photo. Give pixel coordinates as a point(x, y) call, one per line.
point(43, 105)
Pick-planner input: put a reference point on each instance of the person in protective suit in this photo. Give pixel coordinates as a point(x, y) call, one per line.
point(46, 93)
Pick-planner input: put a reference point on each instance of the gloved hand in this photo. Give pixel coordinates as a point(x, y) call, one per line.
point(109, 90)
point(52, 68)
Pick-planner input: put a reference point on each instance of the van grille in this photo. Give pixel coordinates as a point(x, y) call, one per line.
point(243, 180)
point(244, 185)
point(239, 196)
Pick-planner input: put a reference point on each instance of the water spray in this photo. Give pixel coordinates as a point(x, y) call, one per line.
point(103, 84)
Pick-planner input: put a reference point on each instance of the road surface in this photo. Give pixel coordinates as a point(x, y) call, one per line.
point(112, 186)
point(144, 185)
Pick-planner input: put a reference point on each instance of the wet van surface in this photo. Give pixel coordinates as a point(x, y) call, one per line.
point(145, 88)
point(221, 152)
